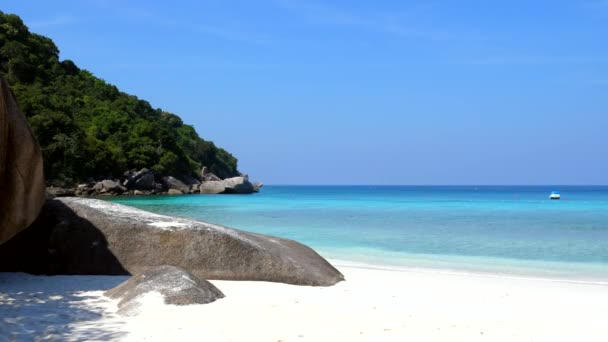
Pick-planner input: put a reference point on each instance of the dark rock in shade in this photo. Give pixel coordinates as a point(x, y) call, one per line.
point(89, 236)
point(188, 180)
point(145, 182)
point(59, 242)
point(158, 188)
point(141, 180)
point(174, 183)
point(175, 284)
point(238, 185)
point(22, 188)
point(212, 187)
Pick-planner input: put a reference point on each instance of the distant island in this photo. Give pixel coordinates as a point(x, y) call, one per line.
point(90, 131)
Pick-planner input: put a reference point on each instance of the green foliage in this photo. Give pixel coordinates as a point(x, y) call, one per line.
point(89, 128)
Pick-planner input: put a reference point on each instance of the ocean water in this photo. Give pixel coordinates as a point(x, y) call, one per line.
point(494, 229)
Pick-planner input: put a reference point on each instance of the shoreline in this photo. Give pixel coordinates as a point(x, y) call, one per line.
point(338, 263)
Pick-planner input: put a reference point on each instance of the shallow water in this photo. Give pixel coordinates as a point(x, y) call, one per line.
point(513, 230)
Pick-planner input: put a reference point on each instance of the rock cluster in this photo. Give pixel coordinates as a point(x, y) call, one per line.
point(145, 182)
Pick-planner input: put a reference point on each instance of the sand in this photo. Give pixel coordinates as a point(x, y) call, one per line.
point(372, 305)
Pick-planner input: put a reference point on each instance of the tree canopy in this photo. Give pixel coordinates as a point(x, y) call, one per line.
point(88, 128)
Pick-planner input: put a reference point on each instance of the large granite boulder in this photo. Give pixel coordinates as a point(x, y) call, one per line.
point(90, 236)
point(176, 285)
point(145, 182)
point(175, 184)
point(140, 180)
point(22, 188)
point(238, 185)
point(108, 186)
point(212, 187)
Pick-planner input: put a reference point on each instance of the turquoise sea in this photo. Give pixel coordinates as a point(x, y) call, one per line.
point(513, 230)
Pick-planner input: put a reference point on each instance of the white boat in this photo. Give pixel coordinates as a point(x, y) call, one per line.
point(555, 195)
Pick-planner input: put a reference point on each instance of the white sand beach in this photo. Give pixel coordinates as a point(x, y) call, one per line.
point(372, 305)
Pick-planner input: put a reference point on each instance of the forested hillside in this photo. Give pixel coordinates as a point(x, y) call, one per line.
point(88, 128)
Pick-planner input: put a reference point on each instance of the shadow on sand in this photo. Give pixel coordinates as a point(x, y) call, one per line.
point(63, 307)
point(57, 308)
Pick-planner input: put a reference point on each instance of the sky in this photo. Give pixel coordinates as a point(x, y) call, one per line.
point(361, 92)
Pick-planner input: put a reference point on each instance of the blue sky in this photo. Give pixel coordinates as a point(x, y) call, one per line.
point(362, 92)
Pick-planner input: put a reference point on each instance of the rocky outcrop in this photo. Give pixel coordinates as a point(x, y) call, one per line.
point(88, 236)
point(139, 180)
point(212, 187)
point(176, 285)
point(234, 185)
point(238, 185)
point(144, 182)
point(109, 187)
point(22, 188)
point(174, 183)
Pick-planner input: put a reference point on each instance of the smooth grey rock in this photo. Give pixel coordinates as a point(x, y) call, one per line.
point(238, 185)
point(212, 187)
point(257, 186)
point(22, 188)
point(174, 183)
point(174, 192)
point(176, 285)
point(76, 235)
point(111, 187)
